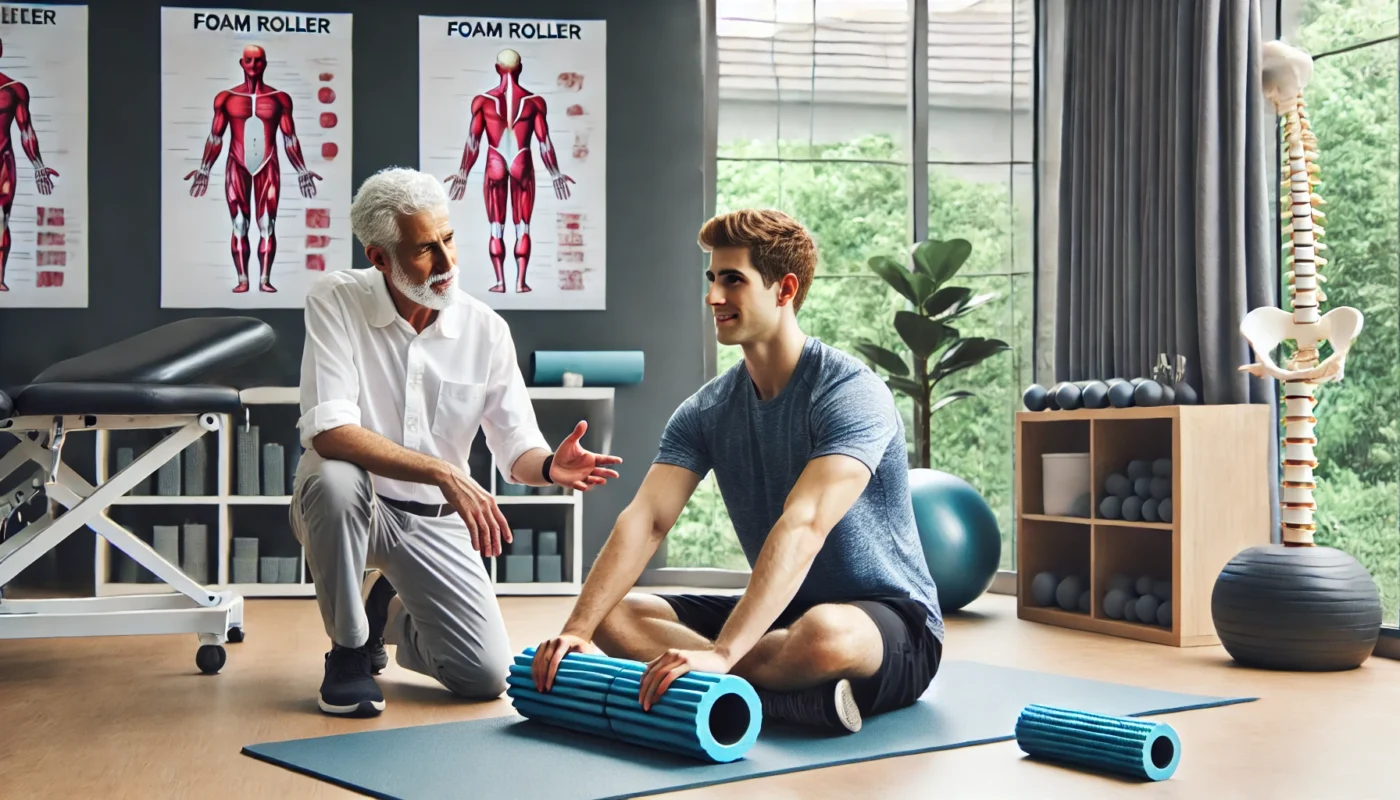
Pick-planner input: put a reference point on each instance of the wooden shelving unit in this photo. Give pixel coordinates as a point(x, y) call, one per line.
point(1220, 497)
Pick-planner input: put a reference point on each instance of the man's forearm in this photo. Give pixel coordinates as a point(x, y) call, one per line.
point(778, 573)
point(529, 468)
point(379, 455)
point(630, 546)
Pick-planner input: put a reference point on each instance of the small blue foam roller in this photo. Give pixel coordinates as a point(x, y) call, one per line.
point(705, 716)
point(1124, 746)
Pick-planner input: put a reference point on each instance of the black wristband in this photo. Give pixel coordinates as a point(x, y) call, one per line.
point(548, 462)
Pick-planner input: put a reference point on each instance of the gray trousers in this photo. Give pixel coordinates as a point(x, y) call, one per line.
point(449, 625)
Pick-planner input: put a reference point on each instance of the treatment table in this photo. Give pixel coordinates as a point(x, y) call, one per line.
point(176, 377)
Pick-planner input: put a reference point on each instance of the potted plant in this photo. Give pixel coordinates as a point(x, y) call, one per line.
point(937, 349)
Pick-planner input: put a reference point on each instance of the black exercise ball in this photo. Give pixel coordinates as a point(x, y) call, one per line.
point(1296, 608)
point(1120, 393)
point(1095, 394)
point(1034, 397)
point(1148, 393)
point(1068, 396)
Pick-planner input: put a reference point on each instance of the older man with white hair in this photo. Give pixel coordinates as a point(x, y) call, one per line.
point(399, 371)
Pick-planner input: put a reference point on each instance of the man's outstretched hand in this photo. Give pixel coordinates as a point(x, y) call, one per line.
point(662, 671)
point(550, 653)
point(576, 467)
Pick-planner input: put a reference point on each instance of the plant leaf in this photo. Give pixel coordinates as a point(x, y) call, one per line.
point(966, 353)
point(881, 357)
point(951, 397)
point(894, 275)
point(921, 334)
point(981, 299)
point(922, 286)
point(910, 388)
point(941, 260)
point(946, 302)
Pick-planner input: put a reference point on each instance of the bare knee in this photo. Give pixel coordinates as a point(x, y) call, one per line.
point(613, 633)
point(827, 639)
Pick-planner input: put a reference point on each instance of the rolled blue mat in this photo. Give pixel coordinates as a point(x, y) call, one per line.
point(702, 715)
point(1131, 747)
point(598, 367)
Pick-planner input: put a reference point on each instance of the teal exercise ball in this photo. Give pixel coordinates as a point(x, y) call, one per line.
point(959, 533)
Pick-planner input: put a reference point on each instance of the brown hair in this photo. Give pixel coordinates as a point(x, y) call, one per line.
point(777, 243)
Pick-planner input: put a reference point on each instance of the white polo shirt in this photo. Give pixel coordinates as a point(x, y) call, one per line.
point(363, 364)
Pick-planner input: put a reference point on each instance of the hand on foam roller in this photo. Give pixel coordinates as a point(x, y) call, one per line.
point(544, 665)
point(706, 716)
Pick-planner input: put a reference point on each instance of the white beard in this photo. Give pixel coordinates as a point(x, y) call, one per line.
point(422, 293)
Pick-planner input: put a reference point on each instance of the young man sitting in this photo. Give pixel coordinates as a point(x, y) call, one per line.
point(841, 618)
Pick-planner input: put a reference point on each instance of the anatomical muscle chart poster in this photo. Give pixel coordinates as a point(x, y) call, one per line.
point(255, 155)
point(43, 156)
point(513, 118)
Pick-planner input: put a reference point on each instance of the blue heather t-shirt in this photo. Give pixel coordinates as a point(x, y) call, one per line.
point(833, 404)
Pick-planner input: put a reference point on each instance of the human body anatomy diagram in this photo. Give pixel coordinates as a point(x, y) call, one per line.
point(509, 117)
point(253, 113)
point(14, 112)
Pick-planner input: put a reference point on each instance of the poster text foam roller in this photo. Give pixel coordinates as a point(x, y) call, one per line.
point(701, 715)
point(1131, 747)
point(598, 367)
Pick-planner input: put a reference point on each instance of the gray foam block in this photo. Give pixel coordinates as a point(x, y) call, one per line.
point(196, 457)
point(273, 463)
point(270, 569)
point(288, 570)
point(165, 539)
point(968, 703)
point(522, 541)
point(547, 543)
point(549, 569)
point(168, 478)
point(246, 445)
point(518, 569)
point(245, 570)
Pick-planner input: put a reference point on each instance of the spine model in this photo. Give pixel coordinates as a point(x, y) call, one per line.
point(1304, 236)
point(1286, 70)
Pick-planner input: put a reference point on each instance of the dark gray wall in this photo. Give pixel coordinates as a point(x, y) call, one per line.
point(655, 206)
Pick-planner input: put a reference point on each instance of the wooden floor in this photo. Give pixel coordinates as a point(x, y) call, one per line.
point(131, 717)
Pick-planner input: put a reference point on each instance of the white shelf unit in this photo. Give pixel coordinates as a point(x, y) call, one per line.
point(223, 528)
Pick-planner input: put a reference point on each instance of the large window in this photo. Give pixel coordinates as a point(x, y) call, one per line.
point(1352, 104)
point(815, 117)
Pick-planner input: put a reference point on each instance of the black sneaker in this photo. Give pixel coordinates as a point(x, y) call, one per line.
point(376, 591)
point(349, 690)
point(831, 706)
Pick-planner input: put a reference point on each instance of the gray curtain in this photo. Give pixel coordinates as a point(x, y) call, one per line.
point(1166, 224)
point(1166, 236)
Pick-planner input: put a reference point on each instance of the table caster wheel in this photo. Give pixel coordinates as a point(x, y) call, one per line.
point(235, 635)
point(210, 658)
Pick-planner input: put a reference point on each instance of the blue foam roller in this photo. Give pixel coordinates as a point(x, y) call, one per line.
point(598, 367)
point(1125, 746)
point(702, 715)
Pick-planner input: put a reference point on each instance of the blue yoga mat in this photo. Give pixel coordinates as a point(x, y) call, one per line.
point(511, 757)
point(598, 367)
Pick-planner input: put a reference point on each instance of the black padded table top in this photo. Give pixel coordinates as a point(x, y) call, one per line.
point(55, 399)
point(190, 351)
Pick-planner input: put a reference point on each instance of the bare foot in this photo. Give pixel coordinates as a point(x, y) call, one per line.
point(241, 287)
point(498, 288)
point(522, 288)
point(4, 288)
point(266, 287)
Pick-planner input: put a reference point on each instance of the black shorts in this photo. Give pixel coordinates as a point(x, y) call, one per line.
point(911, 657)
